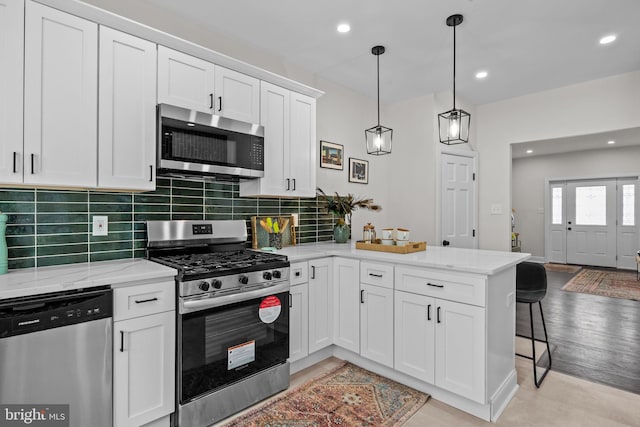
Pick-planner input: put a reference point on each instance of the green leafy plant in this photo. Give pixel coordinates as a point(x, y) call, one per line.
point(343, 206)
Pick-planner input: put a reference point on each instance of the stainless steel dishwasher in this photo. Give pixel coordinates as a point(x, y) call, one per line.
point(57, 349)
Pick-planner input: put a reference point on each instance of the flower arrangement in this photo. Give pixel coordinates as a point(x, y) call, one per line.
point(343, 206)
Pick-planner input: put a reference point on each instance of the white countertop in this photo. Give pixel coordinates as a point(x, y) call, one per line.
point(478, 261)
point(33, 281)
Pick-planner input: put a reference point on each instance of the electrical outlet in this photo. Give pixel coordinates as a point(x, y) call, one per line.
point(510, 299)
point(496, 209)
point(100, 225)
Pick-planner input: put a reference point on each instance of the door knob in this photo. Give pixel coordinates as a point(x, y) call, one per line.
point(445, 243)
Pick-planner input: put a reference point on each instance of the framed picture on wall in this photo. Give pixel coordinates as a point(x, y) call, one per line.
point(331, 155)
point(358, 171)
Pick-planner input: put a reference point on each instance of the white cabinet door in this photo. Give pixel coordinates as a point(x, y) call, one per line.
point(460, 349)
point(299, 322)
point(61, 98)
point(376, 324)
point(127, 108)
point(237, 95)
point(320, 308)
point(185, 81)
point(302, 152)
point(415, 335)
point(274, 116)
point(346, 305)
point(143, 369)
point(11, 96)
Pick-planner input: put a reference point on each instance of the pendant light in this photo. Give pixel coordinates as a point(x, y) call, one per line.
point(453, 125)
point(378, 137)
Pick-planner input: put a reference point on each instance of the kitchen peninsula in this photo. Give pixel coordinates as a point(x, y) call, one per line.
point(441, 321)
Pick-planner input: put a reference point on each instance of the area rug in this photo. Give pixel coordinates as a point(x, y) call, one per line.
point(563, 268)
point(616, 284)
point(346, 396)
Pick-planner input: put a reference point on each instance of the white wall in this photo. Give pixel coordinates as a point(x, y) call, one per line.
point(597, 106)
point(528, 182)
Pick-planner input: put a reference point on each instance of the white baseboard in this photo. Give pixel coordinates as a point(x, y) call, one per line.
point(503, 395)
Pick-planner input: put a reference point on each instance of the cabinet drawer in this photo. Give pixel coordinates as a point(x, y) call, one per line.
point(376, 274)
point(299, 273)
point(142, 300)
point(467, 289)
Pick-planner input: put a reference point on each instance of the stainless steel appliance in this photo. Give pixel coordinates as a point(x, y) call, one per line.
point(57, 349)
point(233, 317)
point(195, 143)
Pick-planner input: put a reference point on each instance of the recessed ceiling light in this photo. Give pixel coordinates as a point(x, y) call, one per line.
point(608, 39)
point(481, 74)
point(611, 142)
point(344, 28)
point(529, 151)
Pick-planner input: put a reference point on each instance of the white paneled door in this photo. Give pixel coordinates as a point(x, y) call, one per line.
point(593, 222)
point(458, 195)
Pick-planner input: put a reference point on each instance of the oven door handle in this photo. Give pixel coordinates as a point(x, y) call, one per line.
point(189, 306)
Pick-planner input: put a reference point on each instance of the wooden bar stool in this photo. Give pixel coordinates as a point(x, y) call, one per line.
point(531, 287)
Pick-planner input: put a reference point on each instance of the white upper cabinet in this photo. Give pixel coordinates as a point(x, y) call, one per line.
point(127, 108)
point(289, 121)
point(185, 81)
point(11, 68)
point(237, 95)
point(190, 82)
point(60, 100)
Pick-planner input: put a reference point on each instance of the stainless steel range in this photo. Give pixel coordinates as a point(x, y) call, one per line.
point(233, 317)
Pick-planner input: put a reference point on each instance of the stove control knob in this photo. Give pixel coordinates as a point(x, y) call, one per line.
point(216, 283)
point(277, 274)
point(203, 286)
point(243, 279)
point(266, 275)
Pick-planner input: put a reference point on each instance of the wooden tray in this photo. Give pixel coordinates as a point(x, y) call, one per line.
point(406, 249)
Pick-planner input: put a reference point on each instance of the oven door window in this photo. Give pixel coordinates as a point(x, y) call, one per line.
point(225, 344)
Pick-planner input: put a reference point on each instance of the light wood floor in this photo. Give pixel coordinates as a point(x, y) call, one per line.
point(562, 400)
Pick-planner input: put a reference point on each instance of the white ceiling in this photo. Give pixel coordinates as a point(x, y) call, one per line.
point(596, 141)
point(526, 46)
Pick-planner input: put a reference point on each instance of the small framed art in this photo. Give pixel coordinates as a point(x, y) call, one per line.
point(331, 155)
point(358, 171)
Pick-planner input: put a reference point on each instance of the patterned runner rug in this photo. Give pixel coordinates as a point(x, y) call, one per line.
point(346, 396)
point(616, 284)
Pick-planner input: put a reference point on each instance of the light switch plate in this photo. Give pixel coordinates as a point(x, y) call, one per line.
point(100, 225)
point(496, 209)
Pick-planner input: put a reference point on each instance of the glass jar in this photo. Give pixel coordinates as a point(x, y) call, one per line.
point(368, 233)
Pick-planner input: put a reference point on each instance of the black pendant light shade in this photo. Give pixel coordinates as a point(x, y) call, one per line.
point(453, 125)
point(379, 137)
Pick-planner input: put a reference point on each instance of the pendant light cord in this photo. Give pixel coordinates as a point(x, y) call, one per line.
point(454, 67)
point(378, 58)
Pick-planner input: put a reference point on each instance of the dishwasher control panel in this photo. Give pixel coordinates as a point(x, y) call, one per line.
point(30, 314)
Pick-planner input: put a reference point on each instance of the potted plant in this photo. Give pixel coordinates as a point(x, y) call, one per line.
point(342, 207)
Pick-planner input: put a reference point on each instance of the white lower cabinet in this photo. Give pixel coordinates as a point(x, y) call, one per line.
point(376, 324)
point(299, 322)
point(143, 354)
point(320, 307)
point(346, 304)
point(441, 342)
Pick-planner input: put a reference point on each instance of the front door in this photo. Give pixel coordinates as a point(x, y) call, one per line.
point(458, 214)
point(591, 223)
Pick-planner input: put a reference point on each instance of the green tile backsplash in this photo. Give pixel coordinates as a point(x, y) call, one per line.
point(53, 227)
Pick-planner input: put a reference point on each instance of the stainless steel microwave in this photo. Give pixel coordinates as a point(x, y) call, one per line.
point(195, 143)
